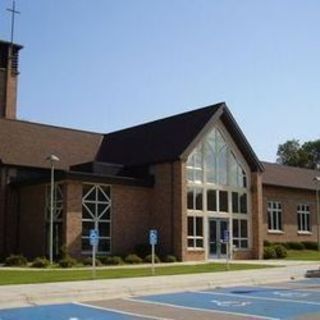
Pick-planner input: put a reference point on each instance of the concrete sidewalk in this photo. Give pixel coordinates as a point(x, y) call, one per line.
point(33, 294)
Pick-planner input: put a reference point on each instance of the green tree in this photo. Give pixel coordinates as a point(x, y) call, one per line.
point(292, 153)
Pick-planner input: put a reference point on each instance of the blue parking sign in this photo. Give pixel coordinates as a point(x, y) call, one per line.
point(153, 237)
point(94, 237)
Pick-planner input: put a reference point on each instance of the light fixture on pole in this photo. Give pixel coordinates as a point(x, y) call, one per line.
point(317, 181)
point(52, 159)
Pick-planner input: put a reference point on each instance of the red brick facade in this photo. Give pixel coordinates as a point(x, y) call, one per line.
point(290, 199)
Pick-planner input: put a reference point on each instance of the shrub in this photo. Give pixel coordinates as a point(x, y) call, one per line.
point(88, 261)
point(310, 245)
point(170, 258)
point(295, 245)
point(111, 261)
point(281, 251)
point(269, 253)
point(67, 262)
point(16, 261)
point(142, 250)
point(132, 259)
point(40, 262)
point(148, 258)
point(266, 243)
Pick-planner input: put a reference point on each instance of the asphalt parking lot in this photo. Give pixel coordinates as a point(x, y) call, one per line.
point(288, 300)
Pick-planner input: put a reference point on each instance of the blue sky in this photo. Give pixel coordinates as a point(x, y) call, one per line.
point(103, 65)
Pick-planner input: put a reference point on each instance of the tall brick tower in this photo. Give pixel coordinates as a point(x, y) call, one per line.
point(9, 54)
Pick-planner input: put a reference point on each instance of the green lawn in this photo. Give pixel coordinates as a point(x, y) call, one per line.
point(311, 255)
point(40, 276)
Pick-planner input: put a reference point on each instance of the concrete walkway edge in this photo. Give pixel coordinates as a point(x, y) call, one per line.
point(61, 292)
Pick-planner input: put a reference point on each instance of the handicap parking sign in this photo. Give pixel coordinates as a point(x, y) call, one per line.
point(94, 237)
point(153, 237)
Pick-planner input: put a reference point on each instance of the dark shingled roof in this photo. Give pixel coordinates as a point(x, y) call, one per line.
point(292, 177)
point(28, 144)
point(157, 141)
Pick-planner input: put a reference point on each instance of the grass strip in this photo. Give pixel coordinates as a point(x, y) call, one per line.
point(41, 276)
point(303, 255)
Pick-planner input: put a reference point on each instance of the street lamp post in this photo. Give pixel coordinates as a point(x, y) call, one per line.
point(52, 159)
point(317, 181)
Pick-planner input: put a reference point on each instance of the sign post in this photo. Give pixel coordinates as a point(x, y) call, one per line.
point(226, 240)
point(94, 241)
point(153, 240)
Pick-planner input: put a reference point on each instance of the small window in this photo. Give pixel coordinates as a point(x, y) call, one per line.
point(195, 232)
point(212, 200)
point(303, 216)
point(240, 233)
point(274, 216)
point(195, 199)
point(223, 201)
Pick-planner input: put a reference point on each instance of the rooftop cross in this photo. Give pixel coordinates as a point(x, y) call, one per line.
point(13, 13)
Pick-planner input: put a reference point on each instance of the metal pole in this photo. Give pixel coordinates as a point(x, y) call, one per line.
point(318, 214)
point(94, 250)
point(51, 214)
point(152, 258)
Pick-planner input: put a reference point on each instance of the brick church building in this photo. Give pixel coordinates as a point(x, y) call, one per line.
point(190, 176)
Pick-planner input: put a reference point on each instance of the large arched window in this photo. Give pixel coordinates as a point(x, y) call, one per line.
point(217, 185)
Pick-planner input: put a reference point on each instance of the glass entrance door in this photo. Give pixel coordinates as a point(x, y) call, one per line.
point(217, 247)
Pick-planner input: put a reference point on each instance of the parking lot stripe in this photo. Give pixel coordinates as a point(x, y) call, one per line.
point(120, 312)
point(256, 298)
point(202, 309)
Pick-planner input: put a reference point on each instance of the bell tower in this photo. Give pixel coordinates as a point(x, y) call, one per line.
point(9, 54)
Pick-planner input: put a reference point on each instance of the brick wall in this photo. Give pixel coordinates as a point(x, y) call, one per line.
point(257, 216)
point(72, 215)
point(32, 238)
point(131, 217)
point(290, 199)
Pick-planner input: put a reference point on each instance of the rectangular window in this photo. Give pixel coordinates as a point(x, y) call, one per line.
point(212, 200)
point(96, 214)
point(223, 201)
point(303, 216)
point(194, 166)
point(195, 232)
point(239, 202)
point(274, 216)
point(195, 199)
point(240, 233)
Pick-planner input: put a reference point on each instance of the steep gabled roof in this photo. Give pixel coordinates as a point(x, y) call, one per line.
point(171, 138)
point(292, 177)
point(157, 141)
point(29, 144)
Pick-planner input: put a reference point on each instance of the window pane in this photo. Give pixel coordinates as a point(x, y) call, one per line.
point(190, 243)
point(198, 199)
point(199, 227)
point(280, 220)
point(104, 229)
point(199, 243)
point(236, 243)
point(308, 222)
point(212, 200)
point(223, 197)
point(298, 220)
point(235, 202)
point(85, 245)
point(244, 243)
point(190, 199)
point(104, 245)
point(244, 229)
point(235, 228)
point(243, 203)
point(86, 227)
point(190, 226)
point(269, 221)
